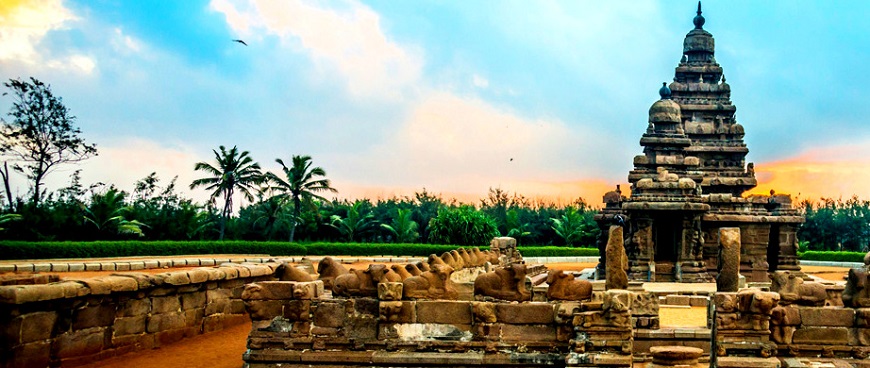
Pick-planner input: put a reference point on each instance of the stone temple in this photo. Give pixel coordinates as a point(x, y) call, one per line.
point(690, 181)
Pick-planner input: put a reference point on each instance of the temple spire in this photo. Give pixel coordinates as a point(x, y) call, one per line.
point(699, 19)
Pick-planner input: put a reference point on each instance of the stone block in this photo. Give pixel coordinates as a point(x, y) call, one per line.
point(329, 314)
point(217, 307)
point(137, 265)
point(165, 304)
point(698, 301)
point(129, 325)
point(30, 293)
point(388, 291)
point(197, 276)
point(782, 334)
point(237, 306)
point(215, 295)
point(363, 327)
point(310, 290)
point(524, 313)
point(80, 343)
point(528, 333)
point(122, 266)
point(725, 302)
point(786, 316)
point(367, 306)
point(168, 337)
point(483, 312)
point(76, 267)
point(821, 336)
point(827, 316)
point(193, 300)
point(31, 327)
point(268, 290)
point(677, 300)
point(747, 362)
point(564, 312)
point(644, 304)
point(398, 312)
point(134, 307)
point(175, 278)
point(263, 309)
point(37, 354)
point(451, 312)
point(59, 267)
point(297, 310)
point(163, 322)
point(100, 315)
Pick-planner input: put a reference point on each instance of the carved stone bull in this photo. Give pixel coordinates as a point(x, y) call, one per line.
point(432, 284)
point(380, 273)
point(793, 289)
point(355, 283)
point(413, 269)
point(289, 272)
point(329, 269)
point(563, 286)
point(434, 260)
point(506, 283)
point(856, 294)
point(401, 271)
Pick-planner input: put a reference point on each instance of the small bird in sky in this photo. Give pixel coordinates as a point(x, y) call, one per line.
point(512, 158)
point(241, 42)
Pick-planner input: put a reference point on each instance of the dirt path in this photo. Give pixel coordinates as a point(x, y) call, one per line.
point(222, 349)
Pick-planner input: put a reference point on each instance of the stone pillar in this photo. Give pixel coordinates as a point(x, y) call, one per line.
point(729, 259)
point(617, 261)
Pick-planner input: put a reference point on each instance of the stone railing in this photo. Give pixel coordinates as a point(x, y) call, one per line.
point(298, 323)
point(69, 323)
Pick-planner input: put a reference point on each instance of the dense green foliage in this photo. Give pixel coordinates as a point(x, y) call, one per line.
point(837, 225)
point(463, 225)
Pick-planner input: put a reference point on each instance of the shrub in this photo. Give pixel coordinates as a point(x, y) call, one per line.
point(832, 256)
point(462, 226)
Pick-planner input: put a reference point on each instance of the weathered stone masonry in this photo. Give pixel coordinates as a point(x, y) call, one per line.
point(75, 322)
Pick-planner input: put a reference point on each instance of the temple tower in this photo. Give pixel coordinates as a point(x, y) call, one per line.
point(690, 180)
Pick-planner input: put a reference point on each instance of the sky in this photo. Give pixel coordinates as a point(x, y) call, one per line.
point(547, 99)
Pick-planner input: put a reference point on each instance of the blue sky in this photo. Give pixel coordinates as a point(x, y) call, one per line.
point(393, 96)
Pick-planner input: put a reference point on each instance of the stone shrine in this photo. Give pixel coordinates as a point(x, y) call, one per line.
point(690, 180)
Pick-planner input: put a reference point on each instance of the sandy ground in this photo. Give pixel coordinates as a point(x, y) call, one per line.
point(224, 349)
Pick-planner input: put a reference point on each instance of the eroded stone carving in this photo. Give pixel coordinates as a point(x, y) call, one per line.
point(506, 283)
point(729, 259)
point(355, 283)
point(329, 269)
point(793, 289)
point(401, 271)
point(563, 286)
point(289, 272)
point(856, 293)
point(617, 261)
point(432, 284)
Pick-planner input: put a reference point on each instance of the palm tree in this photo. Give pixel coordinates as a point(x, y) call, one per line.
point(108, 213)
point(403, 228)
point(357, 223)
point(301, 183)
point(234, 170)
point(570, 226)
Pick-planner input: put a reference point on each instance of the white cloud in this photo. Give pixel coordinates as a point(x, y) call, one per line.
point(479, 82)
point(349, 42)
point(24, 25)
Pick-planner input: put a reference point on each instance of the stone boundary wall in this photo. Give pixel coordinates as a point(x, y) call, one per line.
point(297, 324)
point(138, 263)
point(70, 323)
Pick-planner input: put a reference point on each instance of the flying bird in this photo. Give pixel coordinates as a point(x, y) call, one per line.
point(241, 42)
point(512, 158)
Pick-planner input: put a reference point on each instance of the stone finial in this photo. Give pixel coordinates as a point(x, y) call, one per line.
point(699, 19)
point(665, 92)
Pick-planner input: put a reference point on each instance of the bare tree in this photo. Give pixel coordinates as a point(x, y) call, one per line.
point(41, 135)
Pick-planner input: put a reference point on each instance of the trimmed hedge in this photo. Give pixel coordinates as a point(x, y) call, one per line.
point(551, 251)
point(831, 256)
point(42, 250)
